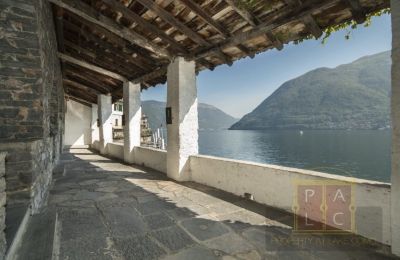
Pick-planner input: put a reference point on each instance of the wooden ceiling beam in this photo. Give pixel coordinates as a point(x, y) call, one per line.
point(169, 18)
point(83, 96)
point(253, 21)
point(149, 76)
point(275, 20)
point(104, 45)
point(88, 13)
point(87, 80)
point(198, 10)
point(246, 15)
point(308, 20)
point(100, 79)
point(141, 65)
point(78, 48)
point(79, 100)
point(312, 26)
point(92, 67)
point(117, 6)
point(275, 41)
point(357, 11)
point(82, 87)
point(102, 63)
point(108, 60)
point(107, 37)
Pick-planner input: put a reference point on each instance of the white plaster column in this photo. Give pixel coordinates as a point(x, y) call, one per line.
point(95, 129)
point(132, 115)
point(395, 109)
point(183, 132)
point(105, 129)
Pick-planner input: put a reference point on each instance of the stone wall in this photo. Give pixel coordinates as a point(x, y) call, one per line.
point(31, 105)
point(2, 205)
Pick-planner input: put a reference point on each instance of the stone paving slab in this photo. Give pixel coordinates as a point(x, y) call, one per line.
point(159, 220)
point(124, 221)
point(109, 210)
point(139, 247)
point(204, 229)
point(195, 253)
point(173, 238)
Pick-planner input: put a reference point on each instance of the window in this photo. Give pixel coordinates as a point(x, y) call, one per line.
point(118, 107)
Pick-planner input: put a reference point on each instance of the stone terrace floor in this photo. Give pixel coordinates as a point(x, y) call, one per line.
point(102, 209)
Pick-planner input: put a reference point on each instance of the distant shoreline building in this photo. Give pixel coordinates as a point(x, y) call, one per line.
point(118, 125)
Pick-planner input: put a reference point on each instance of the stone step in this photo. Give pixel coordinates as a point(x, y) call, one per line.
point(37, 242)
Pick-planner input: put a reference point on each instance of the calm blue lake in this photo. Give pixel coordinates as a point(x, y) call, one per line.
point(362, 153)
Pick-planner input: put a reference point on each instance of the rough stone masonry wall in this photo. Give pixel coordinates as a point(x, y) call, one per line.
point(31, 103)
point(2, 204)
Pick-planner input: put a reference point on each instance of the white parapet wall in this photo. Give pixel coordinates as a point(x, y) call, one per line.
point(145, 156)
point(276, 186)
point(116, 150)
point(152, 158)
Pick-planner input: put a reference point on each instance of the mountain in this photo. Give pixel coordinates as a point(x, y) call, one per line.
point(350, 96)
point(210, 117)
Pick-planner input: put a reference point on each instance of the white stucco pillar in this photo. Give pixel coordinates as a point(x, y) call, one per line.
point(183, 132)
point(395, 109)
point(132, 115)
point(105, 129)
point(95, 129)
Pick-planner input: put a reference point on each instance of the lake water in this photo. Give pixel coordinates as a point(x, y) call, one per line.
point(362, 154)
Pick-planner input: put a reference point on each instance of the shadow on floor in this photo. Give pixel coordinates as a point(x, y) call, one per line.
point(104, 209)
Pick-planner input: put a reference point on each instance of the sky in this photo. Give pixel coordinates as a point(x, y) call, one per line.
point(239, 89)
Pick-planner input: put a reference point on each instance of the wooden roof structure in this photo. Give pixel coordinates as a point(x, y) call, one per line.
point(105, 42)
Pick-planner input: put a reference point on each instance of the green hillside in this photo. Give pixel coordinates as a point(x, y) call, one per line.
point(350, 96)
point(210, 117)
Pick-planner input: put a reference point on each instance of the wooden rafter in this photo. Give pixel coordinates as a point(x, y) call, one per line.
point(280, 18)
point(312, 26)
point(108, 59)
point(246, 15)
point(275, 41)
point(210, 21)
point(146, 25)
point(136, 39)
point(92, 67)
point(88, 80)
point(357, 11)
point(179, 50)
point(275, 20)
point(169, 18)
point(79, 100)
point(308, 20)
point(254, 21)
point(106, 46)
point(86, 12)
point(82, 95)
point(83, 87)
point(194, 7)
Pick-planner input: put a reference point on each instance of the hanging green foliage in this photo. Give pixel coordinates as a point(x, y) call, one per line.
point(349, 26)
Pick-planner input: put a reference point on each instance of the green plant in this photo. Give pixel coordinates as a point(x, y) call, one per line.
point(351, 25)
